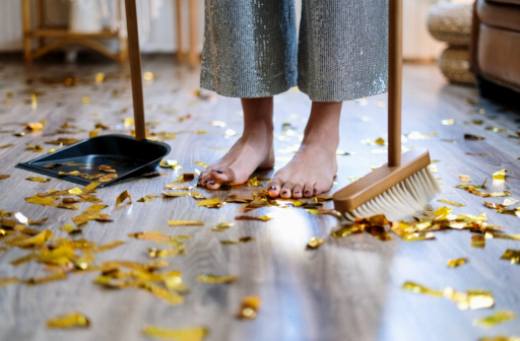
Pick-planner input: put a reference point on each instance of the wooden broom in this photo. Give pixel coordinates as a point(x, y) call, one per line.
point(404, 185)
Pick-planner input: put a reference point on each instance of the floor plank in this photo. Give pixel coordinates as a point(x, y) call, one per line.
point(347, 290)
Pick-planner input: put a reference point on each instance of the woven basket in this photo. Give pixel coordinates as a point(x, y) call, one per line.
point(451, 23)
point(455, 66)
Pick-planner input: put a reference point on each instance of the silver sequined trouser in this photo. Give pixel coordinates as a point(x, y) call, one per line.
point(251, 48)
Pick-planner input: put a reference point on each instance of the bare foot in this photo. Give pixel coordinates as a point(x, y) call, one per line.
point(313, 168)
point(253, 150)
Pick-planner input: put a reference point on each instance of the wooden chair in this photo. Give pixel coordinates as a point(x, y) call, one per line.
point(191, 56)
point(51, 38)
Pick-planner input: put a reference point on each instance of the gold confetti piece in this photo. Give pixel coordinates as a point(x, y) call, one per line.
point(245, 239)
point(222, 226)
point(500, 175)
point(100, 77)
point(249, 307)
point(37, 240)
point(380, 141)
point(494, 319)
point(173, 164)
point(253, 182)
point(314, 243)
point(216, 279)
point(4, 281)
point(68, 321)
point(4, 176)
point(201, 164)
point(502, 209)
point(128, 122)
point(43, 201)
point(37, 179)
point(210, 203)
point(448, 122)
point(377, 226)
point(500, 338)
point(472, 137)
point(456, 262)
point(163, 253)
point(451, 202)
point(263, 218)
point(147, 198)
point(471, 299)
point(169, 296)
point(106, 169)
point(478, 241)
point(62, 141)
point(175, 194)
point(187, 334)
point(6, 145)
point(92, 212)
point(35, 126)
point(512, 255)
point(420, 289)
point(148, 76)
point(175, 223)
point(34, 148)
point(75, 191)
point(58, 276)
point(85, 100)
point(121, 198)
point(155, 236)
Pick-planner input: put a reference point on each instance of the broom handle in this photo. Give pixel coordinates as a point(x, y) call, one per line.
point(395, 66)
point(135, 69)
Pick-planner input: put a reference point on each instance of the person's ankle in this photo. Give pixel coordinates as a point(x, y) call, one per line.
point(325, 140)
point(261, 130)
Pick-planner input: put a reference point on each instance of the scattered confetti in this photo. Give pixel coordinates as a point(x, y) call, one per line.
point(37, 179)
point(210, 203)
point(123, 197)
point(495, 319)
point(187, 334)
point(472, 137)
point(263, 218)
point(175, 223)
point(216, 279)
point(469, 300)
point(68, 321)
point(249, 307)
point(512, 256)
point(451, 203)
point(221, 227)
point(456, 262)
point(315, 243)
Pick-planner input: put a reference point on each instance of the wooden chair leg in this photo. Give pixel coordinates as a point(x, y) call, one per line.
point(26, 25)
point(193, 57)
point(179, 30)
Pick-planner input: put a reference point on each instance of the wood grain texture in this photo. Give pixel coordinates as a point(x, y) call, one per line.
point(348, 289)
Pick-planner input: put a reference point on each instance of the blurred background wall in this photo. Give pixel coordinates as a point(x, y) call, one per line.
point(159, 35)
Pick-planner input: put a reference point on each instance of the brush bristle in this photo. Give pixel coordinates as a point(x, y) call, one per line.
point(404, 199)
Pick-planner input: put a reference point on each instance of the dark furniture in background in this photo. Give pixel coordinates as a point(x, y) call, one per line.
point(496, 48)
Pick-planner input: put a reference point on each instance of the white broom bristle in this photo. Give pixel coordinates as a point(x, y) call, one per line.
point(402, 200)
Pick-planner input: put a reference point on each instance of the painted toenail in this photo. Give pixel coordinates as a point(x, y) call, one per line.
point(211, 182)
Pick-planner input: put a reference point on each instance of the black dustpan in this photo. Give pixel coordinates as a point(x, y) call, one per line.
point(109, 158)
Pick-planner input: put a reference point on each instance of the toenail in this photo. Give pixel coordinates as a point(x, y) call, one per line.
point(210, 182)
point(273, 187)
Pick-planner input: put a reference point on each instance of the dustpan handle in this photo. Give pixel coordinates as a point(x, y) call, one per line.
point(395, 66)
point(135, 69)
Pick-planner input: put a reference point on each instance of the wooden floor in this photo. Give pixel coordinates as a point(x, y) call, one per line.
point(349, 289)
